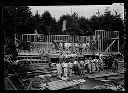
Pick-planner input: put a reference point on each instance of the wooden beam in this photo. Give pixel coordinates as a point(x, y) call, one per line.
point(110, 45)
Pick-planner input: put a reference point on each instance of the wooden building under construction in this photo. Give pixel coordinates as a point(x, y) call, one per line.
point(41, 48)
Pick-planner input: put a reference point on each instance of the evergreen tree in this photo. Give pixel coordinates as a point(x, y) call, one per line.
point(15, 19)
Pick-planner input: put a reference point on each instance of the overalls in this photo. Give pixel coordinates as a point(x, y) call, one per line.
point(59, 70)
point(82, 67)
point(90, 66)
point(70, 69)
point(65, 69)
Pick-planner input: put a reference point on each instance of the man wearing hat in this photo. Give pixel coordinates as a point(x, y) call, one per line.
point(70, 65)
point(96, 64)
point(82, 67)
point(76, 66)
point(86, 64)
point(59, 69)
point(65, 67)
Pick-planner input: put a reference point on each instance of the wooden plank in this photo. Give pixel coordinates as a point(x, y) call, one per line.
point(64, 84)
point(54, 86)
point(8, 85)
point(58, 87)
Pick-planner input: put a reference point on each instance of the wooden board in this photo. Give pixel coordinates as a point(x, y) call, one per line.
point(56, 85)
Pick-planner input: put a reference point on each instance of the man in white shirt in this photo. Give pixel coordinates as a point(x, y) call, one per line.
point(70, 65)
point(93, 65)
point(65, 66)
point(86, 64)
point(96, 64)
point(59, 70)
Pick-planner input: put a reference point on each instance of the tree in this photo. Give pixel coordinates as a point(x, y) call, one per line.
point(84, 25)
point(72, 26)
point(36, 21)
point(10, 49)
point(94, 23)
point(15, 18)
point(109, 22)
point(47, 24)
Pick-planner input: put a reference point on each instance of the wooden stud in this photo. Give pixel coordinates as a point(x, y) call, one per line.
point(118, 43)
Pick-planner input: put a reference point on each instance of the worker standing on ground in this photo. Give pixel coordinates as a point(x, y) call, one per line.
point(105, 62)
point(93, 65)
point(62, 65)
point(59, 69)
point(82, 67)
point(76, 67)
point(109, 63)
point(70, 65)
point(88, 62)
point(115, 65)
point(65, 66)
point(100, 62)
point(96, 64)
point(90, 65)
point(50, 64)
point(86, 65)
point(79, 68)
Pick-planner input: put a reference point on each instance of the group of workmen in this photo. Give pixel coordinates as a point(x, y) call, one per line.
point(111, 63)
point(82, 66)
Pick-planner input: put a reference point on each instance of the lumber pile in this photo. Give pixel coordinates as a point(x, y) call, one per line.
point(61, 84)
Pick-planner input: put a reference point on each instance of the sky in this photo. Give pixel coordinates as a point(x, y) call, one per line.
point(83, 10)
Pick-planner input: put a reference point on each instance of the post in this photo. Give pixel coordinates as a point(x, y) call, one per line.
point(104, 40)
point(108, 40)
point(72, 43)
point(100, 41)
point(47, 41)
point(118, 43)
point(34, 38)
point(15, 38)
point(22, 37)
point(27, 37)
point(97, 40)
point(30, 38)
point(49, 38)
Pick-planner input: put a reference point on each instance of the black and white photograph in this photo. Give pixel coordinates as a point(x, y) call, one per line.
point(64, 47)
